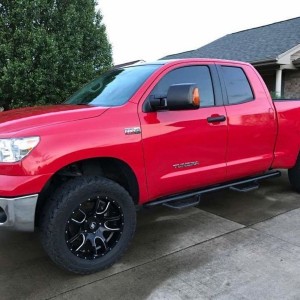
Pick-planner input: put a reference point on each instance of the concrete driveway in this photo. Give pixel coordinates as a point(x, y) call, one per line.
point(233, 246)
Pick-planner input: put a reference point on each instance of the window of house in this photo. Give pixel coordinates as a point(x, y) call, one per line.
point(237, 85)
point(199, 75)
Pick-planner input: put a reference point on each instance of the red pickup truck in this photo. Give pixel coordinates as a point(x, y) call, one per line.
point(159, 133)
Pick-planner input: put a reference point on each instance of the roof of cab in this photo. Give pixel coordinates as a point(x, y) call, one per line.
point(189, 60)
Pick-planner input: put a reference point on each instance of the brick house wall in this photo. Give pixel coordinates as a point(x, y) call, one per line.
point(291, 84)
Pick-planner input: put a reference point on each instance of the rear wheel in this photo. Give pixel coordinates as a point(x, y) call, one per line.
point(294, 175)
point(88, 225)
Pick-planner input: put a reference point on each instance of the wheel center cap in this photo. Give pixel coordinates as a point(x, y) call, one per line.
point(93, 225)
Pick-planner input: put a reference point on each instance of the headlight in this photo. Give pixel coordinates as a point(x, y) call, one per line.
point(13, 150)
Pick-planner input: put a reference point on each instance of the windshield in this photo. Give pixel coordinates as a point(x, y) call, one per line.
point(113, 88)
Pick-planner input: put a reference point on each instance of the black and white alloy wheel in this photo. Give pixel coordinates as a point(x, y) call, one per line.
point(94, 228)
point(88, 224)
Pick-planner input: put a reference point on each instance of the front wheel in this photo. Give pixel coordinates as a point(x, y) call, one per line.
point(88, 224)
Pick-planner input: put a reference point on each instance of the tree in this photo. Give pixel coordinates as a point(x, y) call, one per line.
point(48, 49)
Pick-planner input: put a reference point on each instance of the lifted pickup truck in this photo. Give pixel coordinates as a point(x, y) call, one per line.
point(159, 133)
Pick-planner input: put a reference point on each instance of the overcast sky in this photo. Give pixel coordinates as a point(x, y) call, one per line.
point(149, 30)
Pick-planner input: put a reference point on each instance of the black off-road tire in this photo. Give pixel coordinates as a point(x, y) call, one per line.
point(294, 175)
point(67, 200)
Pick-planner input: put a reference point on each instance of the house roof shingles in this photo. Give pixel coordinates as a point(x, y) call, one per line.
point(253, 45)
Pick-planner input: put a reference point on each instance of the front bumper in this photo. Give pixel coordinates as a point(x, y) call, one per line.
point(18, 213)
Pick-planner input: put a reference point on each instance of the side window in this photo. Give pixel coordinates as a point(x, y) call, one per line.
point(237, 85)
point(200, 75)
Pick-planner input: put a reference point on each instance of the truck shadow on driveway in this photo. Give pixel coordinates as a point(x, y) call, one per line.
point(274, 197)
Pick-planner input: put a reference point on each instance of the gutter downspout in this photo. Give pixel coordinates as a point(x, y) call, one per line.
point(278, 85)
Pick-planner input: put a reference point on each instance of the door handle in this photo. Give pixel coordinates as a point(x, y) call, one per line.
point(215, 119)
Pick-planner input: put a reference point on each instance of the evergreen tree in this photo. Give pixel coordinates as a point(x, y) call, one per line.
point(48, 49)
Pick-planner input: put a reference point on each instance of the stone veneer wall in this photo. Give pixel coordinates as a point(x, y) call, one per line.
point(291, 88)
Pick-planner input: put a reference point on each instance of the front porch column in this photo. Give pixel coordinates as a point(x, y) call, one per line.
point(278, 82)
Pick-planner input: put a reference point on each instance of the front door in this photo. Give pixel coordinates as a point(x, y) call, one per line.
point(185, 149)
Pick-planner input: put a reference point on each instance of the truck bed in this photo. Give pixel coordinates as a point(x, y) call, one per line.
point(287, 146)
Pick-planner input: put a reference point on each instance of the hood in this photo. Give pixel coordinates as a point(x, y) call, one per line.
point(30, 117)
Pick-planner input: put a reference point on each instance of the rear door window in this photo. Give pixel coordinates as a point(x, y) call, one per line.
point(237, 85)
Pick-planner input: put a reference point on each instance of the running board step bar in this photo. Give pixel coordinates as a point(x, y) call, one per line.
point(236, 185)
point(244, 188)
point(184, 203)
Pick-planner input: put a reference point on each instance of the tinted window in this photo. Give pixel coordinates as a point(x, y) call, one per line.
point(200, 75)
point(113, 88)
point(237, 85)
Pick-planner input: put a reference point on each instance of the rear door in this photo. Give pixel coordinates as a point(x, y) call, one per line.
point(251, 122)
point(185, 149)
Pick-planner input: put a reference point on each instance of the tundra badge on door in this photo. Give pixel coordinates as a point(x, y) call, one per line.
point(186, 165)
